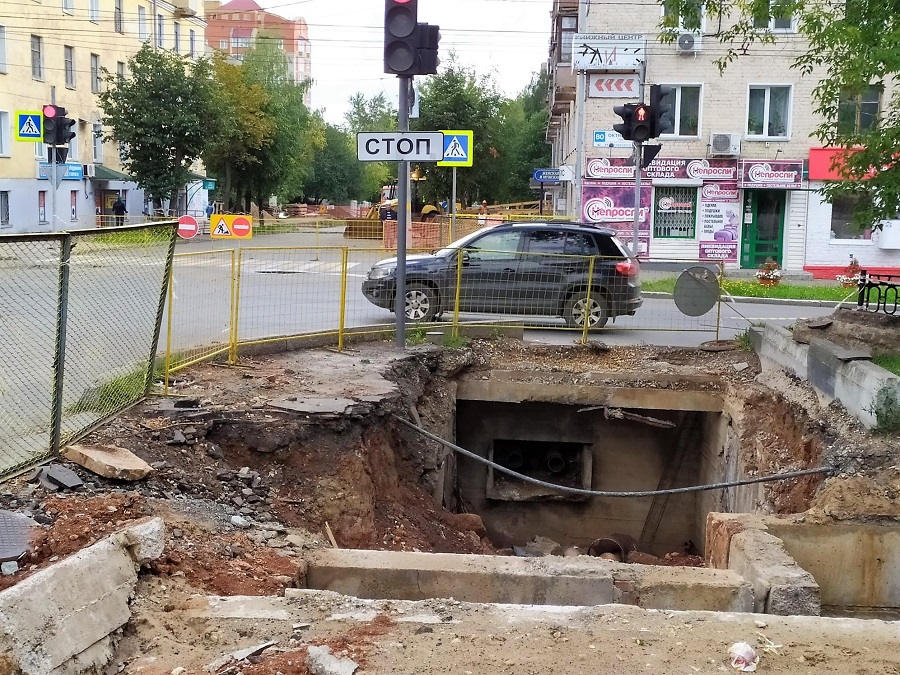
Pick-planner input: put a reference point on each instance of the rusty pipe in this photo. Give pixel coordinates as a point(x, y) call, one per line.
point(556, 462)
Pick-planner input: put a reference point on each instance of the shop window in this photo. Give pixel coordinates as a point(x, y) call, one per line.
point(842, 209)
point(674, 212)
point(858, 113)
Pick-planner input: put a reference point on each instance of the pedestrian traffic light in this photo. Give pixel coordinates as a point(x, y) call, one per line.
point(427, 52)
point(401, 39)
point(63, 127)
point(625, 112)
point(660, 106)
point(50, 124)
point(640, 123)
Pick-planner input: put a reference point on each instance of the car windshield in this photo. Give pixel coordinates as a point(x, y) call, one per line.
point(460, 243)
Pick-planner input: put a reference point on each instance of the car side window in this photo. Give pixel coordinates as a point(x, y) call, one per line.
point(546, 242)
point(608, 248)
point(495, 246)
point(580, 244)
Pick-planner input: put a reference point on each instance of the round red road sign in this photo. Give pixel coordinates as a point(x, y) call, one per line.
point(188, 227)
point(240, 226)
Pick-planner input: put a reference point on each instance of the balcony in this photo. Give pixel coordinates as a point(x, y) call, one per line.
point(562, 89)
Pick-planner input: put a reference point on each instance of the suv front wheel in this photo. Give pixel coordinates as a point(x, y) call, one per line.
point(421, 302)
point(579, 306)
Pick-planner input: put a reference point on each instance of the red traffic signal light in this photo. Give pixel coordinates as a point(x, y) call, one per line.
point(640, 114)
point(50, 110)
point(640, 123)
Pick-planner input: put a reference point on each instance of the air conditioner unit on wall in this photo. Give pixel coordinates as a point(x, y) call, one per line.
point(90, 170)
point(688, 43)
point(724, 144)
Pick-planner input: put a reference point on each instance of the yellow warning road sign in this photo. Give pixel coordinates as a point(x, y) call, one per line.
point(223, 226)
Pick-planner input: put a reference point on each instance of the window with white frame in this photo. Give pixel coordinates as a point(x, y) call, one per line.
point(37, 57)
point(94, 11)
point(769, 111)
point(240, 42)
point(692, 20)
point(69, 57)
point(858, 113)
point(5, 145)
point(4, 209)
point(774, 20)
point(223, 44)
point(40, 151)
point(160, 33)
point(684, 114)
point(142, 23)
point(120, 70)
point(119, 18)
point(192, 43)
point(97, 143)
point(176, 36)
point(68, 6)
point(95, 73)
point(2, 49)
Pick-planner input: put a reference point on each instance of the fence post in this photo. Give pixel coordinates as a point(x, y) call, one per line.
point(345, 254)
point(62, 316)
point(163, 292)
point(235, 304)
point(587, 307)
point(169, 332)
point(459, 265)
point(861, 288)
point(719, 301)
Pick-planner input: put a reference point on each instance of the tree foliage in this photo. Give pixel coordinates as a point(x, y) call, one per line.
point(160, 112)
point(372, 114)
point(335, 173)
point(852, 46)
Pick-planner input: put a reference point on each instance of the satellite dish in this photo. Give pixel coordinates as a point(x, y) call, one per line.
point(696, 291)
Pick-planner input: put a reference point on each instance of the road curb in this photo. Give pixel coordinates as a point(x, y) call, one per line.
point(763, 301)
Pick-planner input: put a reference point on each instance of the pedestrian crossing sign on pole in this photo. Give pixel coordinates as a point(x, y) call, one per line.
point(457, 148)
point(29, 126)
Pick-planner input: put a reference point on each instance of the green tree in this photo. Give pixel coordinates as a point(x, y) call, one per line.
point(456, 98)
point(852, 46)
point(335, 173)
point(373, 114)
point(160, 112)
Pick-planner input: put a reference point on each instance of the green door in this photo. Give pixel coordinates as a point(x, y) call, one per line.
point(763, 227)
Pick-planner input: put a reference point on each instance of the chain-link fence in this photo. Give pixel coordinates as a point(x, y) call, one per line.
point(79, 325)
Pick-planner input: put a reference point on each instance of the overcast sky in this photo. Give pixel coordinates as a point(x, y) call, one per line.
point(507, 37)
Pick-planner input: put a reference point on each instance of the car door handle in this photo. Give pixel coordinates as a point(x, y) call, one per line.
point(508, 270)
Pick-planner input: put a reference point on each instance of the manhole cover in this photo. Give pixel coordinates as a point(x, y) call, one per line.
point(15, 534)
point(719, 346)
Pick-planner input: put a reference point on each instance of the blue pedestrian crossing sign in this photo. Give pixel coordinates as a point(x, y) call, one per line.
point(29, 125)
point(457, 148)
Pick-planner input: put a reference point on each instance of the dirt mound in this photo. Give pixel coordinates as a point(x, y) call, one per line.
point(854, 329)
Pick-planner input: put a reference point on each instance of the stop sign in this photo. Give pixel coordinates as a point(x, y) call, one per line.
point(188, 227)
point(240, 226)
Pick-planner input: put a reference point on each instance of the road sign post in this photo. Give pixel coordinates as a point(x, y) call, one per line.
point(547, 175)
point(458, 151)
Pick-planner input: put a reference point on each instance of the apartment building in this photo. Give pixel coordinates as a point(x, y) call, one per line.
point(233, 28)
point(738, 176)
point(56, 51)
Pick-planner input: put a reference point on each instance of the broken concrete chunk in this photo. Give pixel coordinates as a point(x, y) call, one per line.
point(742, 366)
point(178, 438)
point(63, 477)
point(251, 651)
point(108, 461)
point(321, 661)
point(240, 522)
point(9, 568)
point(45, 482)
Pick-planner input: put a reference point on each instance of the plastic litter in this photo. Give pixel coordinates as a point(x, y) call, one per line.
point(743, 657)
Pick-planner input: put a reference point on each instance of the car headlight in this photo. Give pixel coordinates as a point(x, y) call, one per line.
point(381, 272)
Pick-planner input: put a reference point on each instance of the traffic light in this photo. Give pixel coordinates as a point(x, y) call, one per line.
point(427, 52)
point(50, 124)
point(660, 106)
point(401, 37)
point(640, 122)
point(625, 112)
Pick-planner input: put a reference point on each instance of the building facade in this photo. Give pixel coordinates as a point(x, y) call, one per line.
point(232, 28)
point(737, 177)
point(57, 51)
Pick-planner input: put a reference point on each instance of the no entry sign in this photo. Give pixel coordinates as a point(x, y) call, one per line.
point(231, 227)
point(188, 227)
point(241, 226)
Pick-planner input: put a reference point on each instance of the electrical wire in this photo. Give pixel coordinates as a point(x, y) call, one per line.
point(607, 493)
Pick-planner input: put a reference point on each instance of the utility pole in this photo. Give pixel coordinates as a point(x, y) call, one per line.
point(51, 150)
point(638, 160)
point(580, 95)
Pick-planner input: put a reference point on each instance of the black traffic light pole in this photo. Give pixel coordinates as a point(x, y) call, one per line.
point(638, 161)
point(52, 153)
point(402, 217)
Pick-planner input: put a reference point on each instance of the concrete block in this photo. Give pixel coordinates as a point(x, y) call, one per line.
point(777, 349)
point(780, 585)
point(108, 461)
point(720, 528)
point(61, 618)
point(321, 661)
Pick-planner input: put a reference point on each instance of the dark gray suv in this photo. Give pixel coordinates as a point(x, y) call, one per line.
point(518, 268)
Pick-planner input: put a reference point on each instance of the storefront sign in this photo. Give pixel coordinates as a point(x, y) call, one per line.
point(719, 221)
point(672, 168)
point(612, 203)
point(786, 175)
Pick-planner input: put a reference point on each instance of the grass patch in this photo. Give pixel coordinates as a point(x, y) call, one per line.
point(751, 289)
point(743, 340)
point(142, 237)
point(113, 394)
point(456, 341)
point(416, 337)
point(889, 362)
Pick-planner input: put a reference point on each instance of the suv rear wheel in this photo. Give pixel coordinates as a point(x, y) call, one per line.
point(580, 307)
point(421, 303)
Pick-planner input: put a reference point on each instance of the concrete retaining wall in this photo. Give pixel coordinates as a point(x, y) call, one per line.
point(854, 383)
point(62, 618)
point(509, 580)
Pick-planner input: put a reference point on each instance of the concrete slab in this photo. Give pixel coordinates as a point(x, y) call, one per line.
point(553, 580)
point(313, 406)
point(108, 461)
